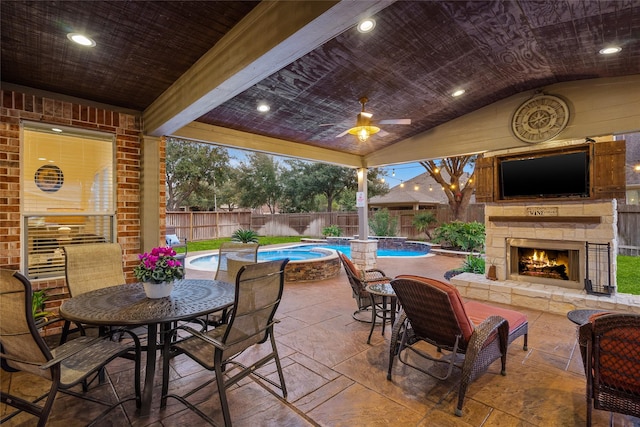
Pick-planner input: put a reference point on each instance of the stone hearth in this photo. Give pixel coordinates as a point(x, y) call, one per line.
point(553, 299)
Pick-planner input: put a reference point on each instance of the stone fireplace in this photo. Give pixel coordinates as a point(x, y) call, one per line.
point(546, 242)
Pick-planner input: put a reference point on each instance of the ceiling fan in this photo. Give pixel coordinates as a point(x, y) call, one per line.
point(364, 127)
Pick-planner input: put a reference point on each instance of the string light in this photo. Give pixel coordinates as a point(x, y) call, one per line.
point(430, 187)
point(401, 184)
point(393, 172)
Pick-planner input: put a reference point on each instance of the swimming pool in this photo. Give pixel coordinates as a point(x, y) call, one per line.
point(313, 261)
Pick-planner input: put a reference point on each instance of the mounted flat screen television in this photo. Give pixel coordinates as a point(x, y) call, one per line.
point(546, 176)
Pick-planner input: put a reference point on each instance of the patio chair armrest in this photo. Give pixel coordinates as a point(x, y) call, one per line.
point(374, 274)
point(73, 347)
point(199, 335)
point(488, 342)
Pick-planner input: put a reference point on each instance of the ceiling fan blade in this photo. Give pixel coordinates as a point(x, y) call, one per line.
point(328, 124)
point(395, 122)
point(343, 134)
point(382, 133)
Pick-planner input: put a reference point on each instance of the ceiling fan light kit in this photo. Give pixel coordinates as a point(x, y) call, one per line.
point(364, 129)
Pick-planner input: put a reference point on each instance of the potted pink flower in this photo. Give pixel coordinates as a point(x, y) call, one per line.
point(158, 270)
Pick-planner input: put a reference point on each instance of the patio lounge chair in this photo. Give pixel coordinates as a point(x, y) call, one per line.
point(610, 346)
point(257, 296)
point(434, 312)
point(72, 363)
point(359, 280)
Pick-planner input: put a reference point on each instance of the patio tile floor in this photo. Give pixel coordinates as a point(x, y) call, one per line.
point(335, 378)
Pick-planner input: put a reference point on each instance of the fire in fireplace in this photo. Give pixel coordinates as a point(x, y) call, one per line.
point(552, 264)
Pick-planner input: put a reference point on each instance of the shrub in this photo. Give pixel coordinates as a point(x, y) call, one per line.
point(473, 264)
point(423, 220)
point(332, 230)
point(466, 236)
point(37, 305)
point(383, 224)
point(244, 236)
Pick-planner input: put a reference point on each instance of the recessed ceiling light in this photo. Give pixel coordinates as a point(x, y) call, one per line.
point(81, 39)
point(458, 92)
point(366, 25)
point(56, 130)
point(610, 50)
point(263, 107)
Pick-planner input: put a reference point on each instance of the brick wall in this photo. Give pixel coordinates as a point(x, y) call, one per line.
point(16, 106)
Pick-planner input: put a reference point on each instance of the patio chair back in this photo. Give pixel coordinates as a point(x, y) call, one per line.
point(612, 343)
point(232, 256)
point(258, 292)
point(436, 311)
point(19, 336)
point(93, 266)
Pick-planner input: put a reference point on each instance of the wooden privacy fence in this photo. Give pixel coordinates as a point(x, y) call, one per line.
point(629, 230)
point(212, 225)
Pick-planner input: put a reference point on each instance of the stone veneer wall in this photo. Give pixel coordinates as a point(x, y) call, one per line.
point(312, 270)
point(498, 231)
point(16, 106)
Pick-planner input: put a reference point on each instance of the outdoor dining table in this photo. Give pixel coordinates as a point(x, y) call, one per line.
point(128, 306)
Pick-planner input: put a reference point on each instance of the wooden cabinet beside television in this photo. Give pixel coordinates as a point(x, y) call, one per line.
point(605, 173)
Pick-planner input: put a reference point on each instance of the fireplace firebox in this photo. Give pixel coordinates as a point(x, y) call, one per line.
point(545, 261)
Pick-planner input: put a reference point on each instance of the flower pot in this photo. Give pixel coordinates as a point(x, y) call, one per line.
point(158, 290)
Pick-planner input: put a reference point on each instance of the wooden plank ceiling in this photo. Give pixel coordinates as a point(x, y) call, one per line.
point(212, 62)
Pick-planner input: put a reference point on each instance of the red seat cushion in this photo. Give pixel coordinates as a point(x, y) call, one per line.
point(478, 312)
point(355, 270)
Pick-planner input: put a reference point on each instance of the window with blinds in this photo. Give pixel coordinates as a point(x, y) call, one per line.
point(68, 193)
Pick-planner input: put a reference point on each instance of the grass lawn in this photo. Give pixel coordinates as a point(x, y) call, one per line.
point(208, 245)
point(628, 277)
point(628, 274)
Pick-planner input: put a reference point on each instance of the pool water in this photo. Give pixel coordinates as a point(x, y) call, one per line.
point(303, 253)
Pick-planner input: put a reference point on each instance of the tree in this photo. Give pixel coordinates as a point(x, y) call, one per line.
point(458, 193)
point(304, 181)
point(228, 195)
point(258, 182)
point(191, 169)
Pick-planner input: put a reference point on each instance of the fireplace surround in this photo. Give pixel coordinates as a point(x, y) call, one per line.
point(549, 262)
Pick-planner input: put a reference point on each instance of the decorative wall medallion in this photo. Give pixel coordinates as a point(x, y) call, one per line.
point(49, 178)
point(540, 119)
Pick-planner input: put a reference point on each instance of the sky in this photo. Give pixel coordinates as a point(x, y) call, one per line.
point(395, 174)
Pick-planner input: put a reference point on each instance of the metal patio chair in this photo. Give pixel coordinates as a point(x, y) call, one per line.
point(74, 362)
point(474, 334)
point(257, 296)
point(359, 280)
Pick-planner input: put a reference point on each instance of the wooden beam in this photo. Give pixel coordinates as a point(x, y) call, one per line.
point(272, 35)
point(248, 141)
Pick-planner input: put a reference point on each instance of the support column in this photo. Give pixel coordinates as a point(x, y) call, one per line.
point(363, 250)
point(152, 199)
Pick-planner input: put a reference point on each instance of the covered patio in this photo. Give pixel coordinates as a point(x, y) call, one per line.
point(334, 378)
